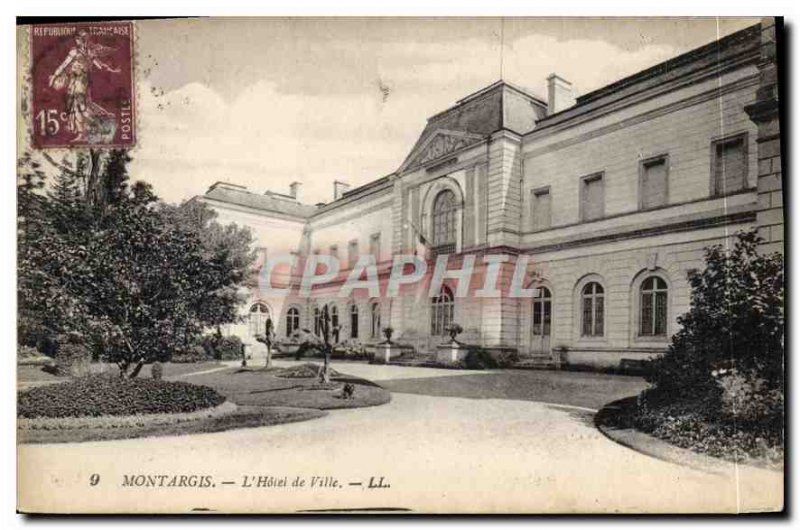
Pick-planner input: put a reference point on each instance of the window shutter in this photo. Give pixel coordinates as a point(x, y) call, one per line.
point(593, 198)
point(352, 253)
point(375, 245)
point(654, 183)
point(730, 167)
point(541, 214)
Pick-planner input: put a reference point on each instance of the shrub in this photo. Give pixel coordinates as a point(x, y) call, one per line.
point(113, 396)
point(719, 387)
point(229, 348)
point(351, 349)
point(73, 359)
point(482, 359)
point(222, 348)
point(157, 371)
point(746, 398)
point(736, 321)
point(194, 354)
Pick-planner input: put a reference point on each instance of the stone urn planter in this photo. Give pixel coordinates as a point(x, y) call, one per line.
point(387, 350)
point(452, 351)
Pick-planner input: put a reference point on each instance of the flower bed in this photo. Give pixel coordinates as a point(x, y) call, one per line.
point(104, 396)
point(690, 425)
point(302, 371)
point(121, 422)
point(682, 424)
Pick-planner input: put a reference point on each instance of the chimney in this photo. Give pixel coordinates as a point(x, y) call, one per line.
point(559, 94)
point(294, 190)
point(339, 188)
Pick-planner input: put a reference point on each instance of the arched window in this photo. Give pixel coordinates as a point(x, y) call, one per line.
point(592, 310)
point(653, 307)
point(353, 321)
point(444, 218)
point(441, 311)
point(257, 320)
point(333, 315)
point(333, 311)
point(317, 322)
point(375, 310)
point(292, 321)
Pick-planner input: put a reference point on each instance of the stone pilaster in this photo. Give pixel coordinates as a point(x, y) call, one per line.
point(504, 189)
point(765, 113)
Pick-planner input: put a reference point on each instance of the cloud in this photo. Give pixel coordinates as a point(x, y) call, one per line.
point(265, 138)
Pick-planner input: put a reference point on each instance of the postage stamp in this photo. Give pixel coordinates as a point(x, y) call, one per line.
point(83, 85)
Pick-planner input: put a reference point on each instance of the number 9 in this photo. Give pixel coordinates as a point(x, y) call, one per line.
point(94, 479)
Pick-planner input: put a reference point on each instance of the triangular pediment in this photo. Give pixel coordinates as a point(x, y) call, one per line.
point(438, 145)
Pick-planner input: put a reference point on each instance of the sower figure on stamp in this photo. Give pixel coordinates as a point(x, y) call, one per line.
point(73, 75)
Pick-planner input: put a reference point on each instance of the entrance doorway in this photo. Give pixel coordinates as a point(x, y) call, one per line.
point(542, 313)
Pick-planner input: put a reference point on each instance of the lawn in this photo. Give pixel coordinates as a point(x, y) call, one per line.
point(35, 374)
point(580, 389)
point(261, 387)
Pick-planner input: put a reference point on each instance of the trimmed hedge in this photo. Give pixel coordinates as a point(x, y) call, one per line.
point(104, 396)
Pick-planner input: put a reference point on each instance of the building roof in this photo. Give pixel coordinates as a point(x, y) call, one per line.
point(271, 202)
point(730, 51)
point(486, 111)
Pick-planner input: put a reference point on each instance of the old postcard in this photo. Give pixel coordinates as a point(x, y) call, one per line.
point(400, 265)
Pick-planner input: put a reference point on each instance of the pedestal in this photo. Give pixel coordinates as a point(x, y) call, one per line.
point(386, 351)
point(451, 352)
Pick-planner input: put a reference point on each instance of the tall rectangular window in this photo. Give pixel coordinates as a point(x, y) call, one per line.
point(653, 182)
point(352, 253)
point(592, 197)
point(540, 209)
point(729, 169)
point(261, 254)
point(375, 245)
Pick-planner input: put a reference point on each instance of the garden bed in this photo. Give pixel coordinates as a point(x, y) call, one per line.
point(682, 425)
point(109, 396)
point(240, 418)
point(108, 408)
point(301, 371)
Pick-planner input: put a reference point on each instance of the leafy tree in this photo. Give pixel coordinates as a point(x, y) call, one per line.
point(227, 250)
point(736, 322)
point(134, 276)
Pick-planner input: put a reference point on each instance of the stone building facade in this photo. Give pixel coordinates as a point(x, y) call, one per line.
point(611, 197)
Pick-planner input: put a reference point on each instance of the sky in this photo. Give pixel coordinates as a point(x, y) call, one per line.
point(265, 102)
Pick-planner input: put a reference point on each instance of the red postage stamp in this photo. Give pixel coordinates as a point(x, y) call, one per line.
point(83, 85)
